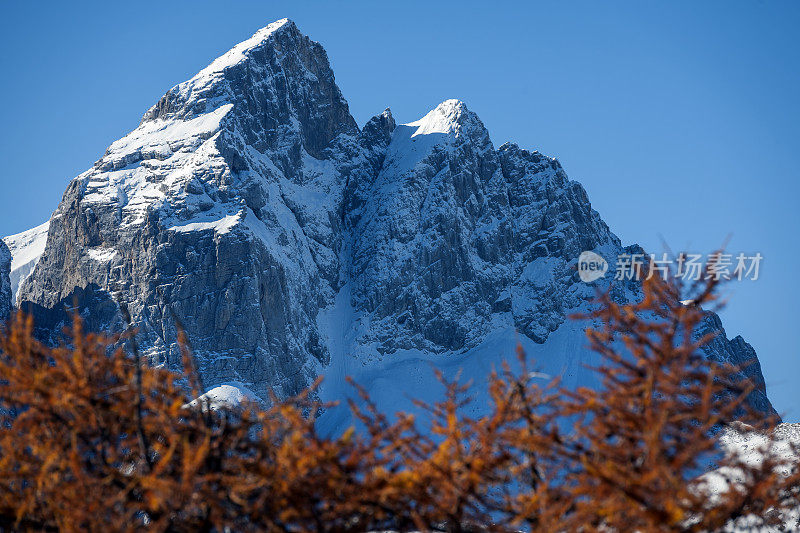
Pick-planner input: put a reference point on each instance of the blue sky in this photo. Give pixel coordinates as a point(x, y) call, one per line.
point(681, 119)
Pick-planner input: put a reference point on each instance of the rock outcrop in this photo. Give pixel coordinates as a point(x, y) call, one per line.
point(5, 282)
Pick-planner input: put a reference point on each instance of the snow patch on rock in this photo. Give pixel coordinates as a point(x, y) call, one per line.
point(26, 249)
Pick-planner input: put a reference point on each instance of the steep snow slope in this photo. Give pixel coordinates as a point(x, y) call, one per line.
point(289, 243)
point(26, 249)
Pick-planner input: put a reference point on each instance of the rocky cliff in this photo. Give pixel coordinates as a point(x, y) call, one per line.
point(5, 281)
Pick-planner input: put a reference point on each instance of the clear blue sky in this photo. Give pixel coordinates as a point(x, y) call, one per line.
point(681, 119)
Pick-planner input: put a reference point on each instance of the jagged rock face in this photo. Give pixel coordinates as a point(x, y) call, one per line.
point(740, 354)
point(447, 236)
point(5, 281)
point(214, 213)
point(250, 208)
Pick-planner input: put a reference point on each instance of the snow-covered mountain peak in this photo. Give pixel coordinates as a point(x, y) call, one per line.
point(237, 55)
point(448, 117)
point(449, 125)
point(210, 85)
point(282, 89)
point(239, 52)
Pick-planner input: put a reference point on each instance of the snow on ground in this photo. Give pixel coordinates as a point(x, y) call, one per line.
point(751, 447)
point(394, 380)
point(231, 394)
point(26, 249)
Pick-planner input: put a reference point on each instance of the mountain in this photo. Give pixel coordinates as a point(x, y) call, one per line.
point(250, 208)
